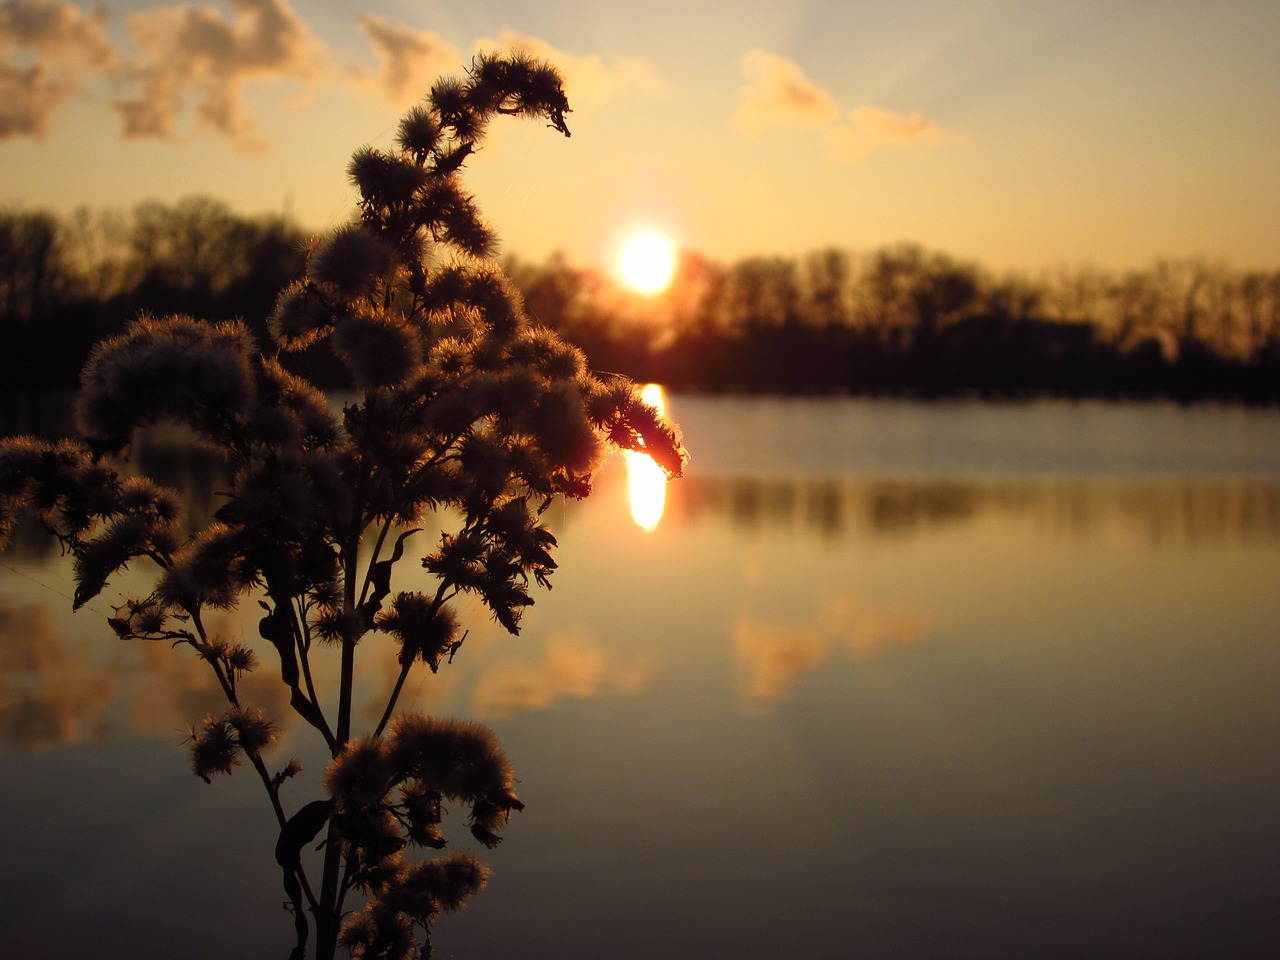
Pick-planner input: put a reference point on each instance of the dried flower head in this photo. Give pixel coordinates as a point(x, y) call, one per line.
point(361, 774)
point(253, 730)
point(214, 747)
point(427, 630)
point(418, 133)
point(352, 260)
point(379, 350)
point(209, 570)
point(178, 369)
point(301, 316)
point(447, 882)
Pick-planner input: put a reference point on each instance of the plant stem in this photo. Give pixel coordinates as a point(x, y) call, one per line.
point(395, 695)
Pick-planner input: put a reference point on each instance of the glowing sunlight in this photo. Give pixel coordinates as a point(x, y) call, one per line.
point(646, 482)
point(647, 262)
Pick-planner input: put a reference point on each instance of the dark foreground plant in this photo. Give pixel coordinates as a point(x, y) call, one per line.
point(464, 415)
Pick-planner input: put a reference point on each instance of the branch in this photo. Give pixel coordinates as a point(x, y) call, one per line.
point(319, 721)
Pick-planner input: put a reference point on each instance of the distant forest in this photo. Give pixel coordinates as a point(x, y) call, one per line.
point(899, 321)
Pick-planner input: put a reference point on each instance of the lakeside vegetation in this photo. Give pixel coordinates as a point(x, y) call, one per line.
point(456, 410)
point(901, 320)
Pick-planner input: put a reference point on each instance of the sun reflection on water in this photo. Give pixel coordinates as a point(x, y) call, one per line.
point(646, 481)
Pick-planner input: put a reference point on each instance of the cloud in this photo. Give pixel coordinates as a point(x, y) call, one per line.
point(47, 52)
point(777, 93)
point(56, 29)
point(198, 52)
point(188, 67)
point(869, 128)
point(29, 97)
point(589, 81)
point(409, 60)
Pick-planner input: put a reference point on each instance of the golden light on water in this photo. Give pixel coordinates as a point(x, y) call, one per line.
point(646, 481)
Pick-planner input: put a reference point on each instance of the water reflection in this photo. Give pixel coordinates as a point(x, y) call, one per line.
point(48, 694)
point(646, 482)
point(770, 658)
point(169, 455)
point(59, 687)
point(571, 668)
point(52, 691)
point(1191, 511)
point(1042, 701)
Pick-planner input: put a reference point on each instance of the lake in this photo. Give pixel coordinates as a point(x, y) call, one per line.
point(876, 679)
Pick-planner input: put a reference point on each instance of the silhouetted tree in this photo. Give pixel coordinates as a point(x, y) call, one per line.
point(763, 292)
point(829, 273)
point(1260, 305)
point(32, 272)
point(97, 245)
point(198, 256)
point(464, 412)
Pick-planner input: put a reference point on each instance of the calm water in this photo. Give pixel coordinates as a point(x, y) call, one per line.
point(884, 680)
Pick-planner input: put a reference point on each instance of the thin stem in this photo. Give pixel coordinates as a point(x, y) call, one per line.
point(255, 758)
point(395, 695)
point(304, 660)
point(228, 685)
point(345, 887)
point(326, 911)
point(444, 593)
point(274, 793)
point(343, 732)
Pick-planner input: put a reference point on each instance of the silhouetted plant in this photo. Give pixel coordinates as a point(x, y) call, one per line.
point(463, 412)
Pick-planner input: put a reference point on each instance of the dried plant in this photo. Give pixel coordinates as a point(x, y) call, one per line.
point(462, 409)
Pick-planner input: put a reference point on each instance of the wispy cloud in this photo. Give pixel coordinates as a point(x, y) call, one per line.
point(409, 60)
point(775, 92)
point(869, 128)
point(47, 52)
point(198, 52)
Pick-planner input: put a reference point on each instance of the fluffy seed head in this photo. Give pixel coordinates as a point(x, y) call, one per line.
point(379, 350)
point(418, 132)
point(353, 260)
point(300, 317)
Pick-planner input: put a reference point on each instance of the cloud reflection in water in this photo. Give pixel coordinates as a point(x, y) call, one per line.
point(770, 658)
point(571, 667)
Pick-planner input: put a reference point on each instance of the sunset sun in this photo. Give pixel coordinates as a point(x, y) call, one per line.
point(647, 262)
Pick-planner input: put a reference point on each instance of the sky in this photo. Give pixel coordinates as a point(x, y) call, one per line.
point(1024, 136)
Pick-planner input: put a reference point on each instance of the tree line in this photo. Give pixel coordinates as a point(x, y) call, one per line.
point(901, 320)
point(66, 282)
point(906, 321)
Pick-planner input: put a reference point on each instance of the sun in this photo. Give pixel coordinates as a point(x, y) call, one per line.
point(647, 262)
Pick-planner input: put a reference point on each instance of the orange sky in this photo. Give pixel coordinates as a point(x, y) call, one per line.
point(1022, 135)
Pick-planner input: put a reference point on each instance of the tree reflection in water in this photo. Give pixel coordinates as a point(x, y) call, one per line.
point(1196, 510)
